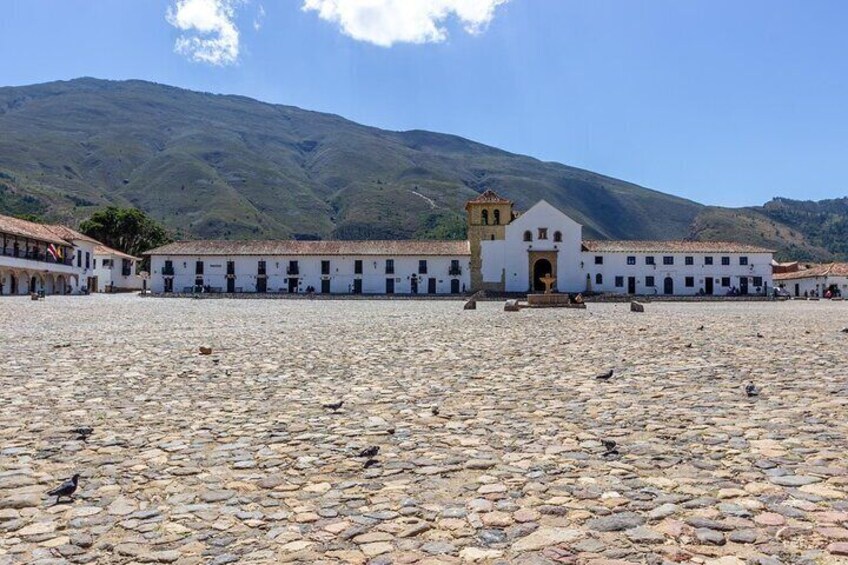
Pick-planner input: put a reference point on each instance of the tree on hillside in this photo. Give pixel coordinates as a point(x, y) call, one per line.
point(125, 229)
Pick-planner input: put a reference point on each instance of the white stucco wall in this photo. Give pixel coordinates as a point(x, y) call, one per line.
point(113, 275)
point(811, 284)
point(615, 265)
point(341, 275)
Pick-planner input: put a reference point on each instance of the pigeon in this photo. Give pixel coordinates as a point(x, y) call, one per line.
point(688, 346)
point(605, 376)
point(334, 406)
point(390, 431)
point(751, 390)
point(701, 328)
point(434, 410)
point(843, 330)
point(759, 334)
point(609, 444)
point(66, 489)
point(370, 463)
point(611, 453)
point(83, 432)
point(370, 452)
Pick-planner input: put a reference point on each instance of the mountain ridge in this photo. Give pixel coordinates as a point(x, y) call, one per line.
point(226, 165)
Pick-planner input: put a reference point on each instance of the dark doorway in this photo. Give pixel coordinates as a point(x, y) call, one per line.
point(708, 285)
point(454, 286)
point(668, 286)
point(13, 284)
point(231, 285)
point(541, 268)
point(261, 284)
point(797, 289)
point(357, 286)
point(32, 284)
point(169, 285)
point(631, 285)
point(413, 285)
point(431, 286)
point(292, 285)
point(743, 285)
point(325, 286)
point(390, 286)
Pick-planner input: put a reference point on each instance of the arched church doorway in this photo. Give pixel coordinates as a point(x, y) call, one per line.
point(541, 268)
point(668, 286)
point(33, 284)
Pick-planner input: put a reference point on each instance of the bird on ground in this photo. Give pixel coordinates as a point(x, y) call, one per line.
point(334, 406)
point(370, 463)
point(605, 376)
point(759, 334)
point(843, 330)
point(83, 432)
point(609, 444)
point(611, 453)
point(370, 452)
point(688, 346)
point(751, 389)
point(66, 489)
point(434, 410)
point(390, 431)
point(701, 328)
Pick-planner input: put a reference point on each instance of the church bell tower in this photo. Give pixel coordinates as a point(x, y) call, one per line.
point(487, 216)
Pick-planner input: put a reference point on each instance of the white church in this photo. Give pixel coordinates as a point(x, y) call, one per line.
point(505, 252)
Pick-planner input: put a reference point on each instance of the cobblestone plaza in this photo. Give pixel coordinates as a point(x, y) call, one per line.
point(231, 457)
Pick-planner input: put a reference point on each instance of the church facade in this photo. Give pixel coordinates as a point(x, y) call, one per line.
point(543, 240)
point(505, 252)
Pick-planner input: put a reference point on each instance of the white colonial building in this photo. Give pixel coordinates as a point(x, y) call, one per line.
point(44, 258)
point(328, 267)
point(813, 280)
point(505, 252)
point(115, 271)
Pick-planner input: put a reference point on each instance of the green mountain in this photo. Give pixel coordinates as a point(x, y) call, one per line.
point(800, 230)
point(219, 166)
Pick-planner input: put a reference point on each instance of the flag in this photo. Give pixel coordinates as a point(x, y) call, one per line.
point(51, 249)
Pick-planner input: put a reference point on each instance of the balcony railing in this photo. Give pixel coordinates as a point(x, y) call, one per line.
point(454, 271)
point(31, 255)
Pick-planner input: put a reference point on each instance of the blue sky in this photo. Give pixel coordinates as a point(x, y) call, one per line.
point(724, 102)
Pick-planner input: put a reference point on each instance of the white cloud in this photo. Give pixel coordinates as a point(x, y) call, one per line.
point(386, 22)
point(260, 17)
point(211, 35)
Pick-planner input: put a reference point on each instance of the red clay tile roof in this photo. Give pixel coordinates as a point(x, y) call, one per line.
point(813, 271)
point(68, 234)
point(420, 248)
point(105, 250)
point(31, 230)
point(488, 197)
point(635, 246)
